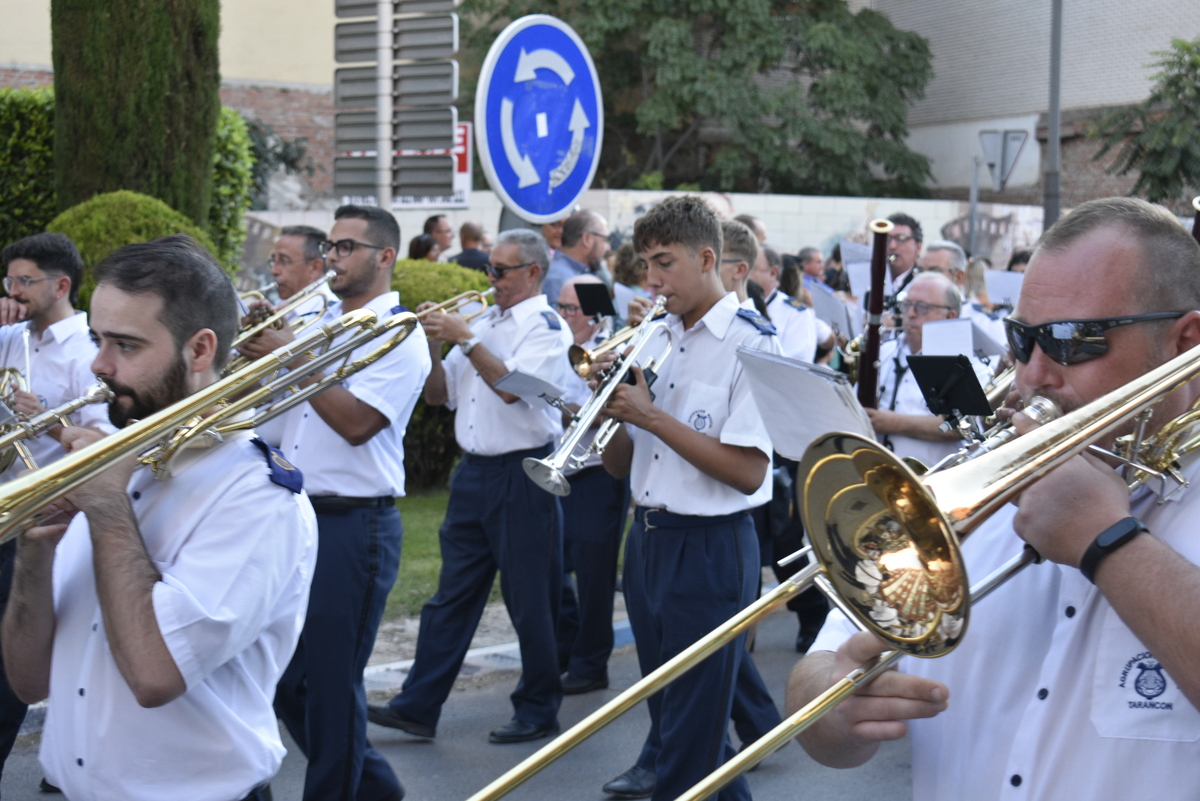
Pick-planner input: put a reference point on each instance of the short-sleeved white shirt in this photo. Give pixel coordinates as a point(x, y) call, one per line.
point(530, 337)
point(61, 365)
point(1109, 724)
point(236, 554)
point(391, 386)
point(703, 385)
point(796, 324)
point(312, 308)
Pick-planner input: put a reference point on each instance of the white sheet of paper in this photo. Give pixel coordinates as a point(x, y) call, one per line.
point(961, 335)
point(834, 311)
point(800, 401)
point(856, 261)
point(528, 388)
point(1003, 287)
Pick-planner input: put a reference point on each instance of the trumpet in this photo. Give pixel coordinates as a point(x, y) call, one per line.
point(275, 318)
point(265, 385)
point(548, 473)
point(258, 294)
point(459, 302)
point(582, 359)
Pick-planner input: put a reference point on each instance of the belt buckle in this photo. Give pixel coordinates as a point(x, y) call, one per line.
point(646, 524)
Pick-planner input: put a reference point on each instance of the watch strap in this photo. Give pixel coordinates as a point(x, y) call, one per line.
point(469, 345)
point(1108, 541)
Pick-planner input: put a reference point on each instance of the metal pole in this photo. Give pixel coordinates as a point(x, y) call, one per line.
point(383, 105)
point(1054, 138)
point(974, 204)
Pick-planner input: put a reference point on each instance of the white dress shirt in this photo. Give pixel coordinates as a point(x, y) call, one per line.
point(236, 554)
point(529, 337)
point(390, 386)
point(797, 326)
point(61, 366)
point(992, 326)
point(1110, 724)
point(703, 385)
point(313, 306)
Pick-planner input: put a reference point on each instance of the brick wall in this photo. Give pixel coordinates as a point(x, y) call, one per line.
point(25, 76)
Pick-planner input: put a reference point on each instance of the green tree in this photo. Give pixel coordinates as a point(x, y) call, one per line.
point(1159, 137)
point(744, 94)
point(136, 89)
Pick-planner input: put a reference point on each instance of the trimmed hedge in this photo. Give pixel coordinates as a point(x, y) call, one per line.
point(233, 182)
point(109, 221)
point(26, 162)
point(429, 445)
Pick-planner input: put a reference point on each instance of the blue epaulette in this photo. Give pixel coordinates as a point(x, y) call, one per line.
point(552, 320)
point(397, 309)
point(283, 472)
point(795, 304)
point(757, 320)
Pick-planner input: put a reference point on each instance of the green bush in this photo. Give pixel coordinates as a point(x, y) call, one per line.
point(429, 445)
point(109, 221)
point(26, 162)
point(233, 181)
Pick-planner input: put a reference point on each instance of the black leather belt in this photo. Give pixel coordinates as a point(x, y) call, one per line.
point(661, 518)
point(344, 503)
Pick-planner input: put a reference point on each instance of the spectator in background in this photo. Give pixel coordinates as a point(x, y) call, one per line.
point(1019, 259)
point(472, 255)
point(584, 245)
point(790, 282)
point(755, 225)
point(976, 286)
point(485, 244)
point(835, 274)
point(424, 247)
point(552, 233)
point(438, 227)
point(812, 265)
point(629, 278)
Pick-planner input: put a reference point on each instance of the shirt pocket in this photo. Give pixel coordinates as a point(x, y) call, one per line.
point(705, 408)
point(1133, 696)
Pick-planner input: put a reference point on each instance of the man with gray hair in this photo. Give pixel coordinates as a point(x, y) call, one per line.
point(950, 260)
point(497, 519)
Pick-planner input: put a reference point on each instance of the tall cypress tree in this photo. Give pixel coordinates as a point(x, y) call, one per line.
point(136, 91)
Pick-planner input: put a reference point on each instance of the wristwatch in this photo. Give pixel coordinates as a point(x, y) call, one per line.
point(1108, 541)
point(469, 345)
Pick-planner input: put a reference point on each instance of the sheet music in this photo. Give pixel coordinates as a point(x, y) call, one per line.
point(1003, 287)
point(960, 335)
point(800, 401)
point(529, 388)
point(839, 314)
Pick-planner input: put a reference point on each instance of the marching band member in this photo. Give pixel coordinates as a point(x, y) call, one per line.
point(296, 262)
point(349, 441)
point(698, 456)
point(159, 620)
point(497, 518)
point(795, 323)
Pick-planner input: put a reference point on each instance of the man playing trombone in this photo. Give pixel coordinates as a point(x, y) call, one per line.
point(160, 619)
point(1079, 678)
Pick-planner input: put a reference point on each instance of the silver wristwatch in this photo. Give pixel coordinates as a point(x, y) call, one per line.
point(469, 345)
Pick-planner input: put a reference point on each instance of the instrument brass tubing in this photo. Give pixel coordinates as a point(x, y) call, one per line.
point(36, 426)
point(456, 303)
point(686, 660)
point(815, 709)
point(292, 303)
point(582, 359)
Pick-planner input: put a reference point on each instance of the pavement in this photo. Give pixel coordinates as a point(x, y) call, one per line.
point(460, 761)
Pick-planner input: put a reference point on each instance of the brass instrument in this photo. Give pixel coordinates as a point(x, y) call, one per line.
point(275, 318)
point(999, 386)
point(17, 431)
point(215, 410)
point(258, 294)
point(582, 359)
point(548, 473)
point(873, 520)
point(12, 381)
point(461, 301)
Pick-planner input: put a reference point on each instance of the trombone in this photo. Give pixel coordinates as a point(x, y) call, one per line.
point(870, 517)
point(275, 318)
point(17, 431)
point(159, 437)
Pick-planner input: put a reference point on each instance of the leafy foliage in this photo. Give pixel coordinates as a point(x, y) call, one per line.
point(751, 95)
point(271, 151)
point(232, 181)
point(26, 162)
point(429, 445)
point(1159, 137)
point(106, 222)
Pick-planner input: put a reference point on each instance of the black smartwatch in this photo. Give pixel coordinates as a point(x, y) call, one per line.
point(1108, 541)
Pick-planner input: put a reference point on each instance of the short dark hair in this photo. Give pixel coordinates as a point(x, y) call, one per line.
point(313, 237)
point(628, 269)
point(382, 228)
point(1021, 256)
point(900, 218)
point(470, 232)
point(772, 256)
point(739, 242)
point(682, 219)
point(751, 222)
point(430, 224)
point(575, 226)
point(196, 293)
point(420, 246)
point(53, 253)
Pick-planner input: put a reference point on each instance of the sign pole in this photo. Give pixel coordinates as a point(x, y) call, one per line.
point(383, 105)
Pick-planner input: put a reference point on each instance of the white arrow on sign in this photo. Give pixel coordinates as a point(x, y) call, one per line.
point(529, 63)
point(579, 122)
point(526, 173)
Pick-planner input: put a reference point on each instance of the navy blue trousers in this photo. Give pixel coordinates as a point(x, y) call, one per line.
point(593, 521)
point(12, 711)
point(320, 697)
point(497, 519)
point(680, 583)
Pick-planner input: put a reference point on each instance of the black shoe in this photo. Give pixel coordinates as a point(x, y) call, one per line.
point(386, 716)
point(47, 787)
point(574, 685)
point(804, 641)
point(517, 732)
point(633, 783)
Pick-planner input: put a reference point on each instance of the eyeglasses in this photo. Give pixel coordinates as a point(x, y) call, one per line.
point(23, 281)
point(1071, 341)
point(567, 309)
point(345, 247)
point(498, 272)
point(919, 306)
point(900, 239)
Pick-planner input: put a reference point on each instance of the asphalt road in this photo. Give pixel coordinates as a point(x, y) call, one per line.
point(461, 761)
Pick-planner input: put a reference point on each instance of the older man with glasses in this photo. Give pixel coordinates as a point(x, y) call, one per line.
point(1080, 677)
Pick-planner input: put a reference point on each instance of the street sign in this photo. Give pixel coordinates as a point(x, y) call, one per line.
point(412, 129)
point(539, 118)
point(427, 83)
point(366, 8)
point(434, 178)
point(1001, 150)
point(413, 37)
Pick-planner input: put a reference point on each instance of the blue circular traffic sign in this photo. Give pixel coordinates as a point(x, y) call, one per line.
point(539, 119)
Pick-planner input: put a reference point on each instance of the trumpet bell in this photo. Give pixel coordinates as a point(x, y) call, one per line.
point(891, 554)
point(547, 476)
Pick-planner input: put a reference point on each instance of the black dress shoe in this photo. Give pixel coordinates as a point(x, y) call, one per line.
point(516, 731)
point(574, 685)
point(386, 716)
point(633, 783)
point(804, 641)
point(47, 787)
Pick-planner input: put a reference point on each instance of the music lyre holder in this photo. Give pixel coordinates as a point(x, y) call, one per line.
point(950, 387)
point(594, 300)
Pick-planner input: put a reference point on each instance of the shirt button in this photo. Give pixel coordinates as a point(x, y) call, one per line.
point(672, 386)
point(81, 691)
point(306, 415)
point(647, 492)
point(95, 626)
point(1042, 693)
point(681, 350)
point(137, 495)
point(656, 456)
point(1015, 780)
point(79, 762)
point(1070, 611)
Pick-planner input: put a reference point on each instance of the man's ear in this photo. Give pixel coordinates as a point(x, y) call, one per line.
point(387, 259)
point(62, 287)
point(708, 259)
point(1184, 334)
point(200, 350)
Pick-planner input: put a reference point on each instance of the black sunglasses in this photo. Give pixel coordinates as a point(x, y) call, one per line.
point(1071, 341)
point(345, 247)
point(498, 272)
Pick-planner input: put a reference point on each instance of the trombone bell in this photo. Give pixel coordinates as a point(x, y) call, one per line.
point(543, 473)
